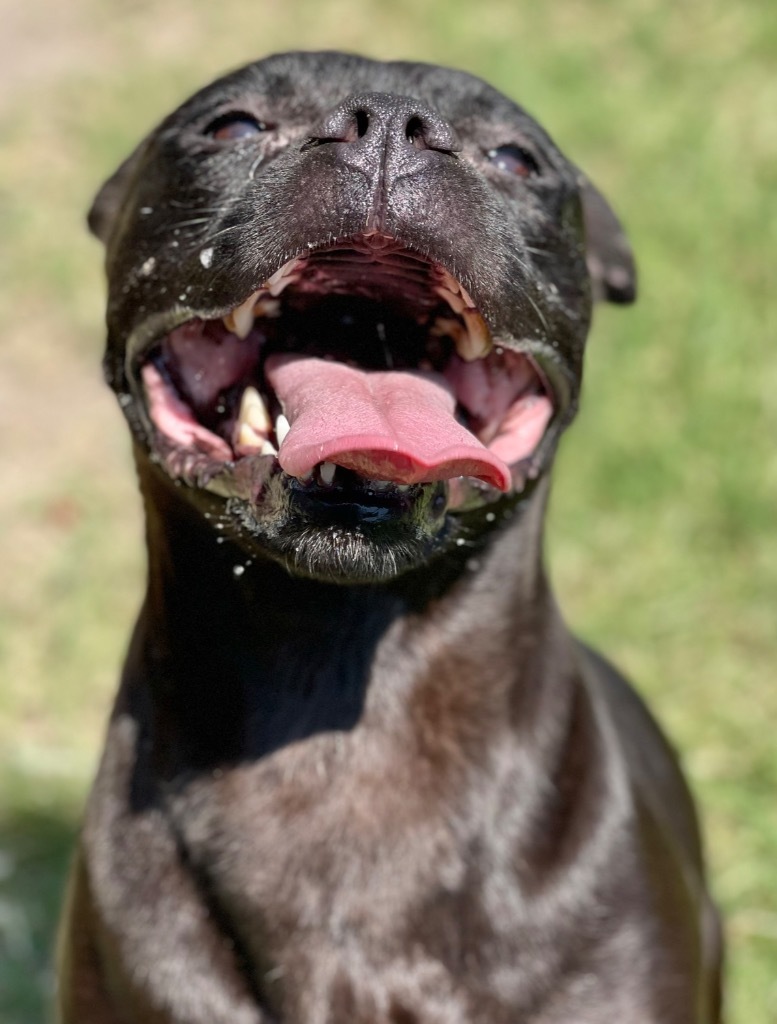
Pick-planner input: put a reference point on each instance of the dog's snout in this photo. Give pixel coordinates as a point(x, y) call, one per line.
point(386, 119)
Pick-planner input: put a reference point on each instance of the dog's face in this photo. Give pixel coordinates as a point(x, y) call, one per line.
point(347, 305)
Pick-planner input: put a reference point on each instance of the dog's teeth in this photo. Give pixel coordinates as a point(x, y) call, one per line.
point(254, 412)
point(276, 287)
point(306, 477)
point(380, 485)
point(281, 278)
point(254, 424)
point(454, 300)
point(249, 440)
point(282, 427)
point(447, 327)
point(241, 320)
point(466, 296)
point(270, 308)
point(327, 472)
point(477, 341)
point(449, 282)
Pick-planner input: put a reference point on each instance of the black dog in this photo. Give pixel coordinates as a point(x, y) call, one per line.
point(359, 772)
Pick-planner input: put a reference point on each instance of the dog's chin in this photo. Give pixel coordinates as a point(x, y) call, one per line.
point(348, 556)
point(345, 534)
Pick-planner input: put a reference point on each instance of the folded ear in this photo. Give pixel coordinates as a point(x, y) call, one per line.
point(104, 211)
point(608, 253)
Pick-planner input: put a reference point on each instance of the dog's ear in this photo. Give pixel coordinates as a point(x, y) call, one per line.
point(608, 253)
point(107, 203)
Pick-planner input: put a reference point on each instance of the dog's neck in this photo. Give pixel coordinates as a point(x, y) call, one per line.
point(239, 659)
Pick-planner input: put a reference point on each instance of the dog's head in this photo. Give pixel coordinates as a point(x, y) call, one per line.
point(347, 305)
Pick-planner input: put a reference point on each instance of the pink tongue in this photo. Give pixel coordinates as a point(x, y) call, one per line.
point(386, 425)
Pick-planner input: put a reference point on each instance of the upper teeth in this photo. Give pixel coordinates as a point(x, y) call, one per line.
point(262, 302)
point(472, 339)
point(281, 278)
point(476, 341)
point(241, 320)
point(453, 299)
point(267, 307)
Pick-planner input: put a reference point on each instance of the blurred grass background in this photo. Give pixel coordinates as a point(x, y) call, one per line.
point(662, 537)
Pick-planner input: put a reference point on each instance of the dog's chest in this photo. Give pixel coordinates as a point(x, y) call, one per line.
point(330, 834)
point(348, 885)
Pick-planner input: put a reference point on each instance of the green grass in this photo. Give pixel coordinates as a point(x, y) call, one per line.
point(662, 536)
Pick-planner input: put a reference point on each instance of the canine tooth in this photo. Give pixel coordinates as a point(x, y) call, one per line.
point(282, 427)
point(276, 287)
point(268, 448)
point(327, 472)
point(449, 282)
point(454, 301)
point(241, 319)
point(447, 327)
point(247, 437)
point(254, 412)
point(466, 296)
point(282, 277)
point(477, 342)
point(271, 308)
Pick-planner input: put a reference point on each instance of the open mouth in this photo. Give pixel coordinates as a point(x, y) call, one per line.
point(363, 364)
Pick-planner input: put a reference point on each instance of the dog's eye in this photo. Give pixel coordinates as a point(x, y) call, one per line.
point(516, 160)
point(235, 125)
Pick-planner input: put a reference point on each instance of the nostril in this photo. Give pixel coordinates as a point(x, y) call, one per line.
point(414, 132)
point(429, 131)
point(362, 119)
point(362, 123)
point(344, 125)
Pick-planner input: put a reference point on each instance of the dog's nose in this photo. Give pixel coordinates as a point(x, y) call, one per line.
point(388, 121)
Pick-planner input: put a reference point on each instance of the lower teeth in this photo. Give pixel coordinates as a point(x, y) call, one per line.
point(326, 472)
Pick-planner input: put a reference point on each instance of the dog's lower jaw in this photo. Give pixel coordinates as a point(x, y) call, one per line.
point(341, 538)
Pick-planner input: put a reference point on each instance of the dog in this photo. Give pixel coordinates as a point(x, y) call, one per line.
point(358, 769)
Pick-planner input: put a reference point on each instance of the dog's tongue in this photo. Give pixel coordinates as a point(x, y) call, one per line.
point(393, 425)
